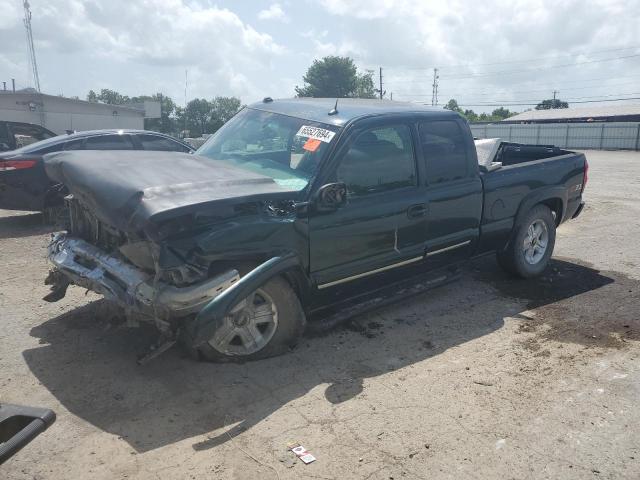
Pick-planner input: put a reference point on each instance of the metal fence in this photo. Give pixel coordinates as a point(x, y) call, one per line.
point(600, 136)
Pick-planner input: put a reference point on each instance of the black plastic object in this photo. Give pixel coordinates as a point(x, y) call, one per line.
point(19, 425)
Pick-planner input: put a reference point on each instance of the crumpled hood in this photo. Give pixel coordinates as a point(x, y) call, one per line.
point(129, 189)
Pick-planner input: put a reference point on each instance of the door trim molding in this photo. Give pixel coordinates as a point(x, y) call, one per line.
point(446, 249)
point(370, 272)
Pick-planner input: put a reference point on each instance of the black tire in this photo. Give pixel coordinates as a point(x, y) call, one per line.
point(291, 322)
point(513, 260)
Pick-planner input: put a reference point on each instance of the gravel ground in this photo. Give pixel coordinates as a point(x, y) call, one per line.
point(485, 378)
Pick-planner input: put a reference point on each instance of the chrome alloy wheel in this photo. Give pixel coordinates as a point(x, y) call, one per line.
point(535, 242)
point(249, 327)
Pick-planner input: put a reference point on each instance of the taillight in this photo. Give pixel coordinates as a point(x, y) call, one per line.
point(586, 174)
point(6, 165)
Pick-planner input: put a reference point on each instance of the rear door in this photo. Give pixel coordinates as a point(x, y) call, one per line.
point(454, 190)
point(384, 222)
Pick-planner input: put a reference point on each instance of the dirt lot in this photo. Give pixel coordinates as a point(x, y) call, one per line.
point(485, 378)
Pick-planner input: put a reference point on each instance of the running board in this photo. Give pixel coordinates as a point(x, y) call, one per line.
point(322, 321)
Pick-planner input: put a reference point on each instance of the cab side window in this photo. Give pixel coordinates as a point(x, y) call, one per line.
point(445, 151)
point(379, 160)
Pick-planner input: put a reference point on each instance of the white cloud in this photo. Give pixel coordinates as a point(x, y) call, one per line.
point(224, 54)
point(410, 37)
point(274, 12)
point(142, 47)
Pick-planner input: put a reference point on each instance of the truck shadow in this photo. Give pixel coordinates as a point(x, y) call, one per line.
point(89, 366)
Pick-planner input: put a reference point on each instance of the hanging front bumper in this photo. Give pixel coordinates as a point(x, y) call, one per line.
point(80, 263)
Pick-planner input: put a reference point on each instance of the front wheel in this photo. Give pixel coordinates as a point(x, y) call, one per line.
point(530, 250)
point(265, 324)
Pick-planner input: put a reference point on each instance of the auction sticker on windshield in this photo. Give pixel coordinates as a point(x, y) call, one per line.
point(316, 133)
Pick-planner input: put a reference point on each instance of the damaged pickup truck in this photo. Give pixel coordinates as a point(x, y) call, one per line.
point(302, 211)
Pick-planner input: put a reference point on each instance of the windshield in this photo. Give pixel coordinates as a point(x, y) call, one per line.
point(287, 149)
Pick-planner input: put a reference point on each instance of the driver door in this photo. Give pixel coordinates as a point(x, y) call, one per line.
point(383, 224)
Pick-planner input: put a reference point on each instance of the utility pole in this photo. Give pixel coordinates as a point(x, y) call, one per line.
point(381, 93)
point(554, 98)
point(186, 73)
point(32, 52)
point(434, 91)
point(161, 119)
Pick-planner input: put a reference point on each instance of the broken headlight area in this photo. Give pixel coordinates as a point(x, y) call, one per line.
point(149, 281)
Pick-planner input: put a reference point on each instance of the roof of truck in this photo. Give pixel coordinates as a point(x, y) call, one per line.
point(317, 109)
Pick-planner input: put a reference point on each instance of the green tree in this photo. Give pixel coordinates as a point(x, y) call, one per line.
point(502, 113)
point(336, 77)
point(222, 109)
point(198, 113)
point(453, 106)
point(364, 85)
point(108, 96)
point(470, 115)
point(551, 103)
point(166, 123)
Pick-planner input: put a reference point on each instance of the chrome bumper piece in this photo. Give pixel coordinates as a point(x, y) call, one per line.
point(87, 266)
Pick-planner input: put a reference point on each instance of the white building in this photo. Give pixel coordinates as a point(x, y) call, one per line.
point(60, 114)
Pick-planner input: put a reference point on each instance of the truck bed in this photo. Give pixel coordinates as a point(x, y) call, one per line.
point(526, 174)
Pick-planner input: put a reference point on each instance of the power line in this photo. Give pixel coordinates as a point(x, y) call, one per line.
point(530, 104)
point(415, 80)
point(568, 99)
point(480, 94)
point(573, 100)
point(513, 72)
point(526, 60)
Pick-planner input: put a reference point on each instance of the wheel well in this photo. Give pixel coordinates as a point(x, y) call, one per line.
point(295, 277)
point(555, 205)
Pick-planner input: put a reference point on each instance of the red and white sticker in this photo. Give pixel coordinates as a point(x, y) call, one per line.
point(316, 133)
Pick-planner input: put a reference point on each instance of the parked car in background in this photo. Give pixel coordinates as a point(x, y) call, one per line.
point(18, 134)
point(24, 185)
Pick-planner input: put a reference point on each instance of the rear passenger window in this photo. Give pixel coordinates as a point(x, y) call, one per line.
point(379, 160)
point(445, 151)
point(158, 143)
point(109, 142)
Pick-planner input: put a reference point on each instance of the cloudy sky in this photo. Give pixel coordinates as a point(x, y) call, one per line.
point(585, 49)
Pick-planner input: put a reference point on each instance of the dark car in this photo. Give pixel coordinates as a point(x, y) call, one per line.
point(24, 185)
point(19, 134)
point(295, 213)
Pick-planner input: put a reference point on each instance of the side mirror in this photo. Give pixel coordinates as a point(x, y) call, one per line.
point(331, 197)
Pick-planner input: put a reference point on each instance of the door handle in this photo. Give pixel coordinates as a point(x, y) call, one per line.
point(417, 211)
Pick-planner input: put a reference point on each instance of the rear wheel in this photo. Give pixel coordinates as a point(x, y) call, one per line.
point(267, 323)
point(529, 251)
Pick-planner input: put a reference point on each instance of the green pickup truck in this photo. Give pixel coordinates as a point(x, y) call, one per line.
point(300, 213)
